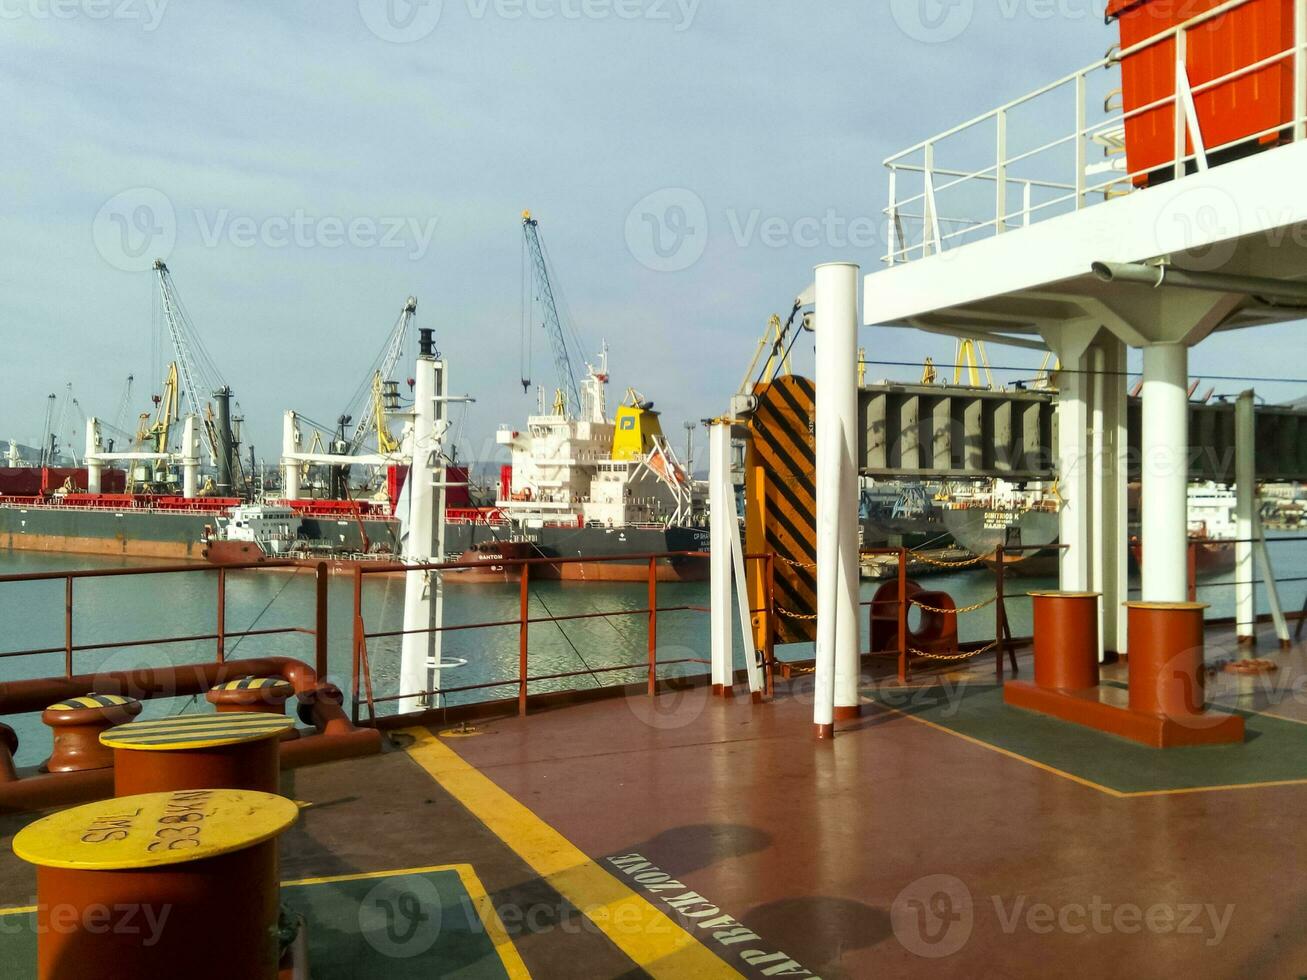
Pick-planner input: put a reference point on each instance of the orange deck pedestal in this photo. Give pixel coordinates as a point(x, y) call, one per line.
point(165, 885)
point(1066, 640)
point(227, 751)
point(1164, 705)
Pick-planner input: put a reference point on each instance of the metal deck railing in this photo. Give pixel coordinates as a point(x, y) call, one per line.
point(1061, 148)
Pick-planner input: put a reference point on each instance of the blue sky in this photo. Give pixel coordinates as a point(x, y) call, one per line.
point(315, 164)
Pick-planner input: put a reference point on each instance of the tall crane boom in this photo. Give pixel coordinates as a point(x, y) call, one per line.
point(179, 332)
point(552, 324)
point(381, 372)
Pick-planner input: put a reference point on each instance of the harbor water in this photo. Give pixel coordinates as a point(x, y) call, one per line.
point(137, 608)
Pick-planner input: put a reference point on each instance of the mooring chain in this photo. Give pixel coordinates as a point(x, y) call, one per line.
point(788, 614)
point(796, 564)
point(965, 609)
point(939, 563)
point(955, 657)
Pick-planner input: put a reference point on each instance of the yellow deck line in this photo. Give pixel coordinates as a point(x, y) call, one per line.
point(649, 937)
point(504, 948)
point(1114, 793)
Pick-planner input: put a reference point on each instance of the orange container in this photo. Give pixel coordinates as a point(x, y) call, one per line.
point(1228, 113)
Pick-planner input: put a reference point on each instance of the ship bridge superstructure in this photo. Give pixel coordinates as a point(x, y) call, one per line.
point(1146, 201)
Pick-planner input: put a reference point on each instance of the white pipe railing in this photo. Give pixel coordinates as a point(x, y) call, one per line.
point(921, 232)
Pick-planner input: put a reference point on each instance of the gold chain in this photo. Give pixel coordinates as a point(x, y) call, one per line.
point(793, 615)
point(965, 563)
point(961, 656)
point(964, 609)
point(796, 564)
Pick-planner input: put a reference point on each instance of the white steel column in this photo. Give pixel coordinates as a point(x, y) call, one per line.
point(94, 467)
point(1110, 575)
point(719, 552)
point(418, 647)
point(290, 468)
point(1075, 467)
point(1245, 477)
point(1164, 508)
point(838, 644)
point(191, 460)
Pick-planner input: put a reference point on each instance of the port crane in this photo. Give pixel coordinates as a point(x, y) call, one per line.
point(536, 282)
point(378, 394)
point(197, 372)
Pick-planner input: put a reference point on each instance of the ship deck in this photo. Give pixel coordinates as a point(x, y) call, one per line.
point(941, 834)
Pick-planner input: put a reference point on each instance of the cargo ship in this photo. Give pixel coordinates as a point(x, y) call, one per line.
point(588, 486)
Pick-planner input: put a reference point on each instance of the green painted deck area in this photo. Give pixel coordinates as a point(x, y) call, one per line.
point(408, 925)
point(1274, 751)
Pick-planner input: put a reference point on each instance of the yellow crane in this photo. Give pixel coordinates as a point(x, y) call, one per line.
point(972, 358)
point(154, 436)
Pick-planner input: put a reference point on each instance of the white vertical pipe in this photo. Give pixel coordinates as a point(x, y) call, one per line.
point(290, 468)
point(1245, 478)
point(94, 466)
point(1100, 497)
point(1114, 582)
point(417, 648)
point(837, 487)
point(1164, 499)
point(191, 460)
point(719, 551)
point(1073, 474)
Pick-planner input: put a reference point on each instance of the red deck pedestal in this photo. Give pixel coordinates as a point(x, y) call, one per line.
point(1166, 658)
point(1066, 640)
point(1164, 706)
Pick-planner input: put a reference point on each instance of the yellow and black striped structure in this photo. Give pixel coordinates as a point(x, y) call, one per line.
point(781, 506)
point(92, 701)
point(195, 731)
point(252, 684)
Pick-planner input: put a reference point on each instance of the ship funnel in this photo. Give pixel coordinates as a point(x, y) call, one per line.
point(426, 346)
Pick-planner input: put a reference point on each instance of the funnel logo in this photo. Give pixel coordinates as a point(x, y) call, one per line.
point(401, 21)
point(667, 231)
point(933, 917)
point(933, 21)
point(134, 228)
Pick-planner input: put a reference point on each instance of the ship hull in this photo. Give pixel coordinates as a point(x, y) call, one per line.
point(492, 544)
point(982, 532)
point(152, 534)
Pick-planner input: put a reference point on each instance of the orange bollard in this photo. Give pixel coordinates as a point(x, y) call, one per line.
point(77, 724)
point(1066, 640)
point(229, 751)
point(1166, 658)
point(267, 695)
point(181, 884)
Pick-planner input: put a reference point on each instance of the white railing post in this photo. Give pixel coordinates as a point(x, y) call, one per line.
point(1081, 124)
point(1026, 201)
point(1000, 174)
point(1181, 79)
point(930, 227)
point(893, 215)
point(1300, 69)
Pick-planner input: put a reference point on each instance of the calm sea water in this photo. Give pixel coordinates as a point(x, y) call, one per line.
point(135, 608)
